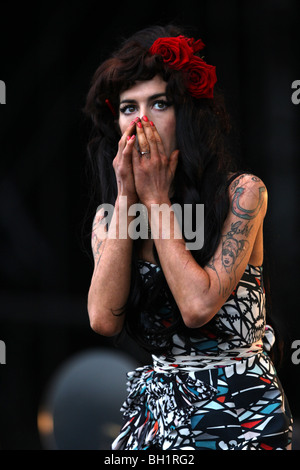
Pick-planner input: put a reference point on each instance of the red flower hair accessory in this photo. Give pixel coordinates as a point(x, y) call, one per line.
point(179, 54)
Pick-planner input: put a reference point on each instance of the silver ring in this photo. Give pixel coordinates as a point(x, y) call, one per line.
point(144, 153)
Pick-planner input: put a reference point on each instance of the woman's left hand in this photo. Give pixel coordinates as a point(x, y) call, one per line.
point(153, 170)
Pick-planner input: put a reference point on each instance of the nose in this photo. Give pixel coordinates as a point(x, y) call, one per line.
point(144, 111)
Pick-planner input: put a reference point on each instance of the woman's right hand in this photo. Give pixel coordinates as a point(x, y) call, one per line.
point(122, 164)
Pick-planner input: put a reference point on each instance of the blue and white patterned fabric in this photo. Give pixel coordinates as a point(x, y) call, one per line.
point(211, 392)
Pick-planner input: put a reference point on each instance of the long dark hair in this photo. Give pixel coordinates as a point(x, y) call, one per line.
point(205, 160)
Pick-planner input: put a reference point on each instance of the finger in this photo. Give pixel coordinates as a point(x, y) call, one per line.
point(130, 141)
point(159, 143)
point(151, 138)
point(131, 128)
point(124, 154)
point(142, 140)
point(128, 133)
point(123, 142)
point(173, 161)
point(136, 158)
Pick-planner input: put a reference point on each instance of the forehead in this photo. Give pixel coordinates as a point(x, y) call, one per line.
point(144, 89)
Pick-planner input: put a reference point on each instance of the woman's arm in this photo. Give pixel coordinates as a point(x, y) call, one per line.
point(110, 282)
point(200, 293)
point(112, 250)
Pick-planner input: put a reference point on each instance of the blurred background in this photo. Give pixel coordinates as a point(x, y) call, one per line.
point(61, 384)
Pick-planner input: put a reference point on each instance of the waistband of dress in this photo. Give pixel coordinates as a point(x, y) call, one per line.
point(193, 363)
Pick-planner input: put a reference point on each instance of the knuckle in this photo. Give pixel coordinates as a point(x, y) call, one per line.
point(121, 142)
point(121, 171)
point(151, 139)
point(124, 151)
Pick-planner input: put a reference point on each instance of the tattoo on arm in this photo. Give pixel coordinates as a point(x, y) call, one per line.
point(97, 244)
point(240, 211)
point(97, 252)
point(235, 242)
point(234, 250)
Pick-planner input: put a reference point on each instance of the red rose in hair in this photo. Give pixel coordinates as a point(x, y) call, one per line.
point(195, 45)
point(201, 78)
point(176, 52)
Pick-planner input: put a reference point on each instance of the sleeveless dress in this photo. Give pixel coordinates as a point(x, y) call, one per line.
point(212, 392)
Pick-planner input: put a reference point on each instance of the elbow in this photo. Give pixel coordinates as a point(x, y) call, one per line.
point(197, 315)
point(103, 326)
point(193, 321)
point(103, 330)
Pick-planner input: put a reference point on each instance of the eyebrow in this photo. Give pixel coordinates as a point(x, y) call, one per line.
point(152, 97)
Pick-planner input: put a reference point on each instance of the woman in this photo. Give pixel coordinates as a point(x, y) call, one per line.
point(159, 140)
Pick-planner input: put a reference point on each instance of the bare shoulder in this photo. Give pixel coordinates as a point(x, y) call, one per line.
point(248, 196)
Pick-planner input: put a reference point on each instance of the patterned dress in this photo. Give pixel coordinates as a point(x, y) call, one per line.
point(212, 392)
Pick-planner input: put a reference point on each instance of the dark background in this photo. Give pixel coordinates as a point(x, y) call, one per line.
point(49, 52)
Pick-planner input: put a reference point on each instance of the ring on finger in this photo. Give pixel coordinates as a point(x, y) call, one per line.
point(145, 153)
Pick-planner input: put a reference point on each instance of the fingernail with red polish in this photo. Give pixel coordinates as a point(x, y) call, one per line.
point(151, 124)
point(145, 118)
point(140, 125)
point(133, 137)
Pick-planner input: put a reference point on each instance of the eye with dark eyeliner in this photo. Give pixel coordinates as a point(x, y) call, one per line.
point(158, 105)
point(161, 105)
point(128, 109)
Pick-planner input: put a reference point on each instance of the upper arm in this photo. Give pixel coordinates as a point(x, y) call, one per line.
point(248, 205)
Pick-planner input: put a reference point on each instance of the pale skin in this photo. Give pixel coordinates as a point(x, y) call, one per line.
point(198, 292)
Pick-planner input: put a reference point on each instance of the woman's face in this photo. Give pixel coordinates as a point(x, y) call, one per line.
point(148, 98)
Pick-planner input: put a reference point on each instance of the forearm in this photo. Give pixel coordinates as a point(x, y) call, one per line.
point(189, 283)
point(111, 278)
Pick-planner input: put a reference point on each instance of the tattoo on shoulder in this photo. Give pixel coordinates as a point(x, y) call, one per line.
point(236, 206)
point(238, 180)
